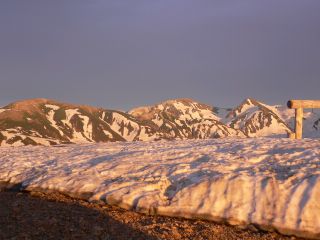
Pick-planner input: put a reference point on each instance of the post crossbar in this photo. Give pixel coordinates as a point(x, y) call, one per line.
point(299, 105)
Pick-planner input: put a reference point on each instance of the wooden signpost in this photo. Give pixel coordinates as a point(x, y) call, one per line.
point(299, 105)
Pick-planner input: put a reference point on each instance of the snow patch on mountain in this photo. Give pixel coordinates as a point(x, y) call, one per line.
point(69, 114)
point(54, 107)
point(51, 114)
point(87, 127)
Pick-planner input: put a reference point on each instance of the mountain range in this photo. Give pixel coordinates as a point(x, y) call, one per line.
point(49, 122)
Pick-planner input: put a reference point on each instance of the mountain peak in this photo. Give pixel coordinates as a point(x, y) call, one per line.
point(29, 101)
point(249, 101)
point(33, 102)
point(28, 105)
point(185, 101)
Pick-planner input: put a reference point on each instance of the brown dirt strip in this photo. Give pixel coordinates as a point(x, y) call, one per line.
point(37, 215)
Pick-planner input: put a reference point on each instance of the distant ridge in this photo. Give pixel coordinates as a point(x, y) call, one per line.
point(186, 119)
point(47, 122)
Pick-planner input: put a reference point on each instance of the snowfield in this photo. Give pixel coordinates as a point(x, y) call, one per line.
point(271, 183)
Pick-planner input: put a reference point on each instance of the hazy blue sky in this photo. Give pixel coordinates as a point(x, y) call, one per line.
point(121, 54)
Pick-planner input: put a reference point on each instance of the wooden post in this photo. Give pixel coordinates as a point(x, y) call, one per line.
point(299, 105)
point(299, 123)
point(303, 104)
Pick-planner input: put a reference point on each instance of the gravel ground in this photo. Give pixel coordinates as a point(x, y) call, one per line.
point(36, 215)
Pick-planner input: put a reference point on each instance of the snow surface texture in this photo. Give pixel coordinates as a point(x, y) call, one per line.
point(272, 183)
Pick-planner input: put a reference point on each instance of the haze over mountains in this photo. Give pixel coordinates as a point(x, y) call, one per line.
point(49, 122)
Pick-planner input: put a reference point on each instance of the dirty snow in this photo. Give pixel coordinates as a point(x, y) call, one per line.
point(272, 183)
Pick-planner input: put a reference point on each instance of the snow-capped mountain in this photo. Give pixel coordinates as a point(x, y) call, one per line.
point(47, 122)
point(186, 119)
point(256, 119)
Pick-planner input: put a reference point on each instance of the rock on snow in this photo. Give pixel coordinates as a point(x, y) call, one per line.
point(271, 183)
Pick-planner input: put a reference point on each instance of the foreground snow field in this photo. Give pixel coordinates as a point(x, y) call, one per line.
point(272, 183)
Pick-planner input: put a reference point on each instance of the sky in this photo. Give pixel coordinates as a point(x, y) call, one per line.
point(120, 54)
